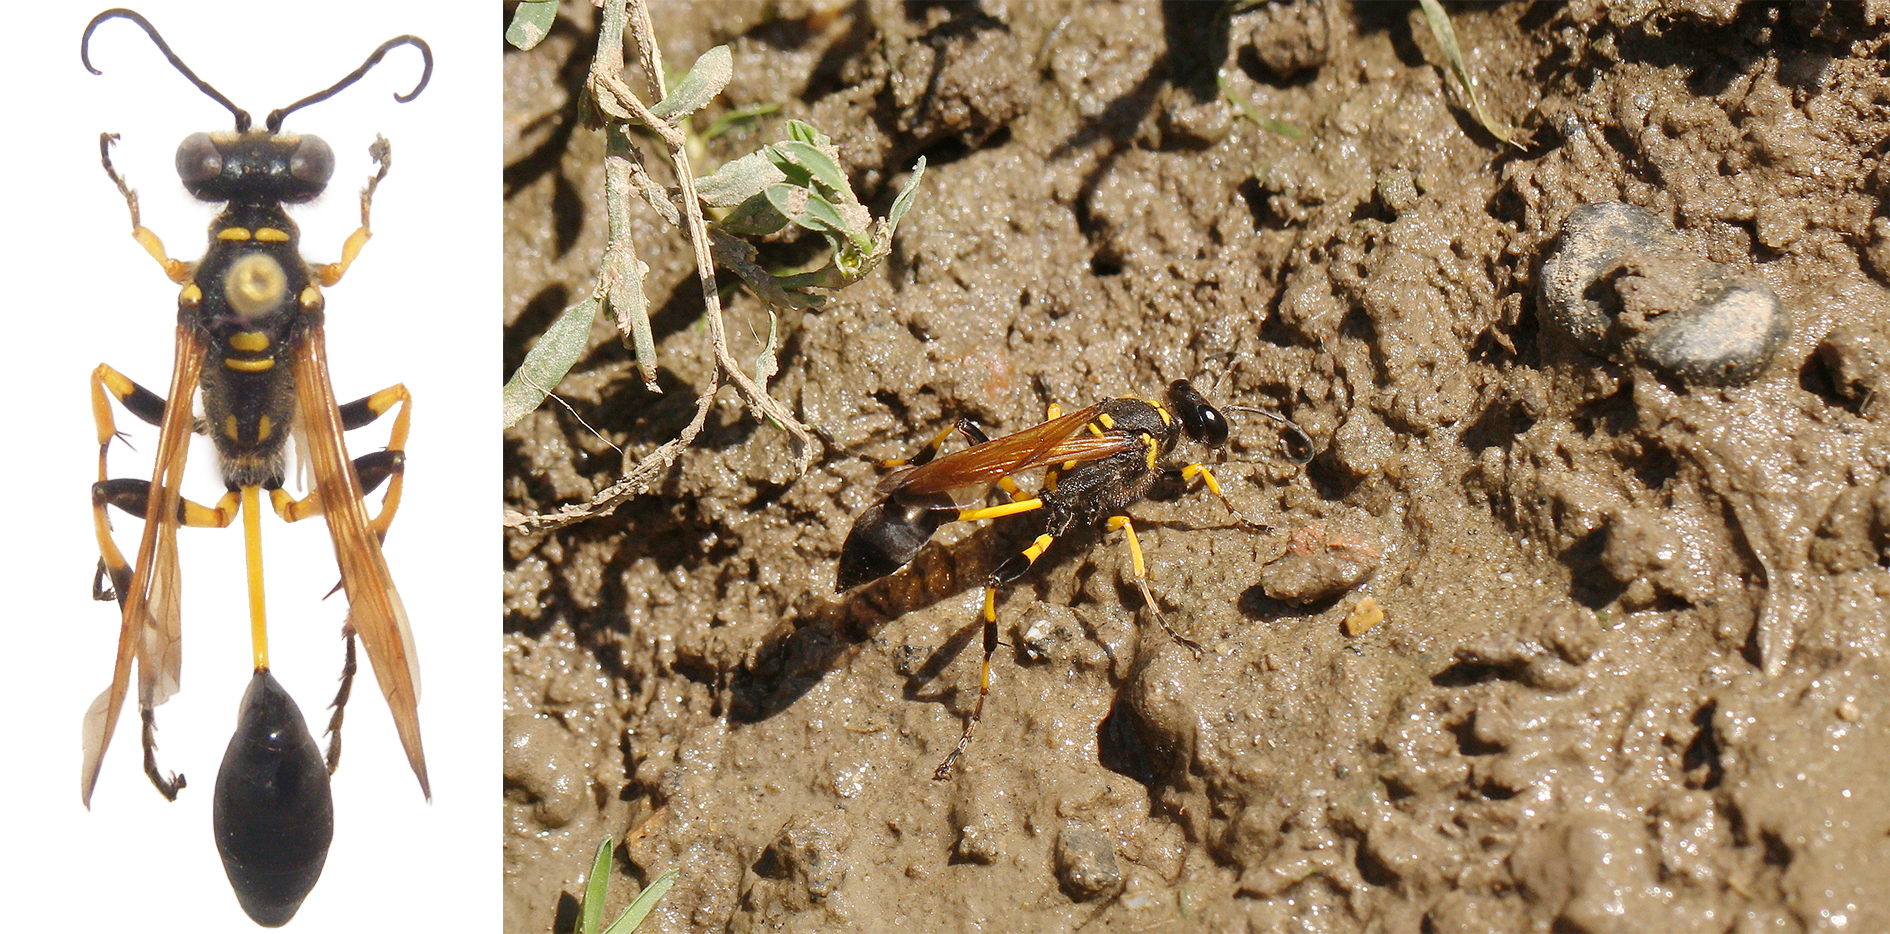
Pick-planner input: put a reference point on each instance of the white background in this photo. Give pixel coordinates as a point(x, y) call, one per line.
point(420, 306)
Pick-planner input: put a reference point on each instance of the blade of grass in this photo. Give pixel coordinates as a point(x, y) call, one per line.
point(591, 911)
point(1446, 37)
point(645, 902)
point(1266, 123)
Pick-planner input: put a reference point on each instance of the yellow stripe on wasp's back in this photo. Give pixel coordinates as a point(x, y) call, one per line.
point(250, 366)
point(233, 234)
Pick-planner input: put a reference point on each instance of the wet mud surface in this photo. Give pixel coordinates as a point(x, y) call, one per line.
point(1629, 549)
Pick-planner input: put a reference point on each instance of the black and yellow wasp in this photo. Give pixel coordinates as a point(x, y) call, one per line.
point(1098, 461)
point(249, 345)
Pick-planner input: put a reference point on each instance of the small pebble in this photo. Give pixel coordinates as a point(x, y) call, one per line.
point(1364, 616)
point(1857, 356)
point(1086, 863)
point(1323, 560)
point(1621, 284)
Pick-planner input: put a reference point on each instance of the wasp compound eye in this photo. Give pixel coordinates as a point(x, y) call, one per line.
point(312, 162)
point(198, 159)
point(1200, 420)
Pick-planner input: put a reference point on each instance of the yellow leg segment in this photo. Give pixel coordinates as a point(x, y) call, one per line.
point(994, 512)
point(1141, 581)
point(1006, 572)
point(109, 384)
point(1207, 476)
point(295, 510)
point(351, 248)
point(331, 273)
point(176, 270)
point(252, 559)
point(938, 441)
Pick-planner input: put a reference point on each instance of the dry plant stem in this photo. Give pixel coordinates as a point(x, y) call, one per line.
point(606, 66)
point(607, 81)
point(635, 481)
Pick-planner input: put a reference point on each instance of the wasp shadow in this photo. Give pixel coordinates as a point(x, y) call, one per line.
point(800, 652)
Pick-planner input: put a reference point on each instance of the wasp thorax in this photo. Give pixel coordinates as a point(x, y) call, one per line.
point(255, 285)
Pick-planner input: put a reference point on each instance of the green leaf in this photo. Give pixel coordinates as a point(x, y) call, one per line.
point(550, 359)
point(807, 209)
point(820, 165)
point(806, 133)
point(904, 202)
point(755, 217)
point(706, 78)
point(531, 23)
point(591, 909)
point(645, 902)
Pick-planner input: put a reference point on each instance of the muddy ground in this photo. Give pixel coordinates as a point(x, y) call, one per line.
point(1631, 672)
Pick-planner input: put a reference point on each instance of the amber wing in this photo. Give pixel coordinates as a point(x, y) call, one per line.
point(1049, 443)
point(149, 628)
point(374, 607)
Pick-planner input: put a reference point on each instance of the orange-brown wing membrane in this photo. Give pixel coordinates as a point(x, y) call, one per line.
point(374, 607)
point(150, 629)
point(1081, 449)
point(987, 462)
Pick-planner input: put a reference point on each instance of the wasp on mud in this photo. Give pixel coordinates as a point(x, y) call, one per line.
point(249, 346)
point(1098, 461)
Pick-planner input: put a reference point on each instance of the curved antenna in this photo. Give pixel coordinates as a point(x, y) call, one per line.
point(85, 57)
point(274, 123)
point(1300, 439)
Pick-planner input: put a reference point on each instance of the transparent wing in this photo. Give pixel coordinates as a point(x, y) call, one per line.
point(374, 607)
point(150, 630)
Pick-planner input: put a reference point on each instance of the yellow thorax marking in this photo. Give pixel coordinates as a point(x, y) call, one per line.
point(251, 341)
point(271, 235)
point(263, 427)
point(1107, 420)
point(229, 427)
point(311, 297)
point(1149, 440)
point(233, 233)
point(250, 366)
point(190, 296)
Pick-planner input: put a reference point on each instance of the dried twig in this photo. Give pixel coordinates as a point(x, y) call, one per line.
point(620, 278)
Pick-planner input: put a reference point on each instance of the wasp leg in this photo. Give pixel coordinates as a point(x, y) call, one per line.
point(1141, 578)
point(1191, 471)
point(341, 701)
point(167, 784)
point(130, 496)
point(176, 269)
point(1017, 566)
point(974, 434)
point(126, 494)
point(964, 426)
point(383, 153)
point(386, 466)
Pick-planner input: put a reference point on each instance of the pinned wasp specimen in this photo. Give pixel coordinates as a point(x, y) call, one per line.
point(1098, 461)
point(249, 346)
